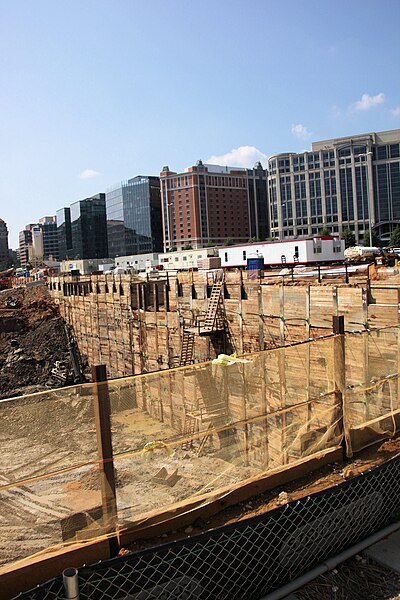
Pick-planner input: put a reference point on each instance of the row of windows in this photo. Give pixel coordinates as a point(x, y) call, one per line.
point(386, 151)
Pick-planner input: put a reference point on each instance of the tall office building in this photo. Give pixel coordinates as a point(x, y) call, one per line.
point(210, 203)
point(26, 244)
point(89, 228)
point(258, 201)
point(134, 222)
point(48, 227)
point(4, 251)
point(344, 183)
point(64, 233)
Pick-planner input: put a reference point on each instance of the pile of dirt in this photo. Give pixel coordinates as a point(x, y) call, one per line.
point(32, 341)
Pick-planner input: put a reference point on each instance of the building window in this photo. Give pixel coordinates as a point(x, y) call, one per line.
point(226, 257)
point(244, 254)
point(317, 246)
point(336, 246)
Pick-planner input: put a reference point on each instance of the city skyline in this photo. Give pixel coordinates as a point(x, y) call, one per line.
point(99, 92)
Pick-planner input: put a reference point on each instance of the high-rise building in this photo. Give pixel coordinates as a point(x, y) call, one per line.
point(64, 233)
point(134, 223)
point(89, 228)
point(38, 241)
point(344, 183)
point(210, 203)
point(4, 252)
point(37, 244)
point(48, 227)
point(258, 201)
point(26, 244)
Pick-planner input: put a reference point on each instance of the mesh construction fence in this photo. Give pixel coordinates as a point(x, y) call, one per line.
point(239, 562)
point(192, 432)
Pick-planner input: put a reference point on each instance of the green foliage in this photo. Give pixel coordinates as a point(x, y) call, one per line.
point(254, 240)
point(348, 236)
point(325, 231)
point(375, 239)
point(209, 245)
point(271, 238)
point(395, 238)
point(187, 247)
point(228, 242)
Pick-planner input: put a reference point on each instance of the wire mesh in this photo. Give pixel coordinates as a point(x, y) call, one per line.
point(372, 379)
point(250, 559)
point(183, 433)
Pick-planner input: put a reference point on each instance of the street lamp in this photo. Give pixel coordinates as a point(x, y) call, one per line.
point(364, 155)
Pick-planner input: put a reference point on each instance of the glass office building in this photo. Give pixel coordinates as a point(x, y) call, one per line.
point(258, 201)
point(48, 227)
point(4, 258)
point(89, 228)
point(64, 234)
point(134, 217)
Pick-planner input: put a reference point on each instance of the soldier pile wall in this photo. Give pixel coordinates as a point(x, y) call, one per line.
point(136, 326)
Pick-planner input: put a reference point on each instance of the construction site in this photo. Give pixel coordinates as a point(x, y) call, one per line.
point(138, 413)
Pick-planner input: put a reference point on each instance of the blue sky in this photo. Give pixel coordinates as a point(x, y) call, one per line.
point(96, 91)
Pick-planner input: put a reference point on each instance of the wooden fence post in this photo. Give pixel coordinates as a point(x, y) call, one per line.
point(339, 374)
point(102, 414)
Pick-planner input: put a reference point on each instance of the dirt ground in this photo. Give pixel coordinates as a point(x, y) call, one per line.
point(319, 480)
point(32, 340)
point(358, 578)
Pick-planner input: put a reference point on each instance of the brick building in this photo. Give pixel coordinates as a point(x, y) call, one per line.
point(210, 203)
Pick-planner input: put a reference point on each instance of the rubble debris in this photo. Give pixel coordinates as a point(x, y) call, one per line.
point(283, 498)
point(34, 353)
point(162, 476)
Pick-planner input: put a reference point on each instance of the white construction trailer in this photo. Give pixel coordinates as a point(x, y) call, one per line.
point(322, 249)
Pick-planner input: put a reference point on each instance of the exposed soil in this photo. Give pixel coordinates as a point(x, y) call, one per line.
point(359, 578)
point(322, 479)
point(32, 340)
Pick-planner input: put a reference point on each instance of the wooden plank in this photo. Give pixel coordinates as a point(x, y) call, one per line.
point(26, 574)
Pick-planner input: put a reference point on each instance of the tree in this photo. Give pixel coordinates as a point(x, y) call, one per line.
point(187, 247)
point(209, 245)
point(375, 239)
point(348, 236)
point(394, 241)
point(324, 231)
point(271, 238)
point(228, 242)
point(254, 240)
